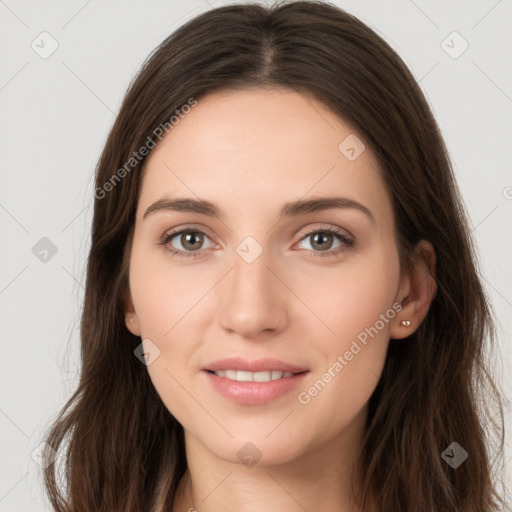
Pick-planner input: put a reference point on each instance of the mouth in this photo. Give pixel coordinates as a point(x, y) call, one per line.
point(254, 392)
point(253, 382)
point(245, 376)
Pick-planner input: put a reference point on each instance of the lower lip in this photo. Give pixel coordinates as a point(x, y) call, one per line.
point(254, 393)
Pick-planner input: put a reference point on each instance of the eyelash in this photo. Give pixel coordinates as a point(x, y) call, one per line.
point(346, 241)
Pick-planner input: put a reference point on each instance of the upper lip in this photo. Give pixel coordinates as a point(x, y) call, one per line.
point(256, 365)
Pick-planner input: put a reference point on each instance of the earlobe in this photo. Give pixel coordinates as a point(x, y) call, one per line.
point(130, 317)
point(418, 290)
point(132, 323)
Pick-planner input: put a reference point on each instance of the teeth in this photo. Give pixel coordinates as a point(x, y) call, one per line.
point(242, 376)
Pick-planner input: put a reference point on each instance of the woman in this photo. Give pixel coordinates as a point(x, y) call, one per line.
point(282, 307)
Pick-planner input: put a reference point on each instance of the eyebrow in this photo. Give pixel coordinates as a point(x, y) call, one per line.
point(291, 209)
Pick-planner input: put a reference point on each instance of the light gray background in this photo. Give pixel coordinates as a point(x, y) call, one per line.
point(56, 113)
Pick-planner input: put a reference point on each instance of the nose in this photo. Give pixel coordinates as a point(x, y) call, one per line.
point(252, 300)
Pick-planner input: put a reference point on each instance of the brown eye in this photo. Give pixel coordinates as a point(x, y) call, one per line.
point(187, 242)
point(322, 241)
point(191, 241)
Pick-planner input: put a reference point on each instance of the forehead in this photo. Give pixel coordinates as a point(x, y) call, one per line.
point(262, 148)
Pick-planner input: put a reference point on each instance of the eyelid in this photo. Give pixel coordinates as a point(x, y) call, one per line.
point(200, 228)
point(330, 228)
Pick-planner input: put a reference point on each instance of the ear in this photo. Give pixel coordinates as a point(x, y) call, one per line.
point(417, 290)
point(130, 316)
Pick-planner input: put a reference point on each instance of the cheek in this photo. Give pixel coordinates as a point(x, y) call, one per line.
point(162, 292)
point(359, 311)
point(366, 296)
point(164, 302)
point(351, 298)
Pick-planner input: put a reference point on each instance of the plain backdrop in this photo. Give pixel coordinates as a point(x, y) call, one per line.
point(56, 111)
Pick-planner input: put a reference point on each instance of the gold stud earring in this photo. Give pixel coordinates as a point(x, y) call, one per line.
point(405, 322)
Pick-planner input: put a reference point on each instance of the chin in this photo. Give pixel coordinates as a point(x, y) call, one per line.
point(256, 448)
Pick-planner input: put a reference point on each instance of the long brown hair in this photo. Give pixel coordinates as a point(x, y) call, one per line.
point(124, 449)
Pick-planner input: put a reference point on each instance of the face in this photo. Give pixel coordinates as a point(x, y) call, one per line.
point(306, 296)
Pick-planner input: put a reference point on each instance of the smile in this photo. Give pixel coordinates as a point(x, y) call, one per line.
point(244, 376)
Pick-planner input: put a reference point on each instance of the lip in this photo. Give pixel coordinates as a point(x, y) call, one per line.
point(259, 365)
point(253, 393)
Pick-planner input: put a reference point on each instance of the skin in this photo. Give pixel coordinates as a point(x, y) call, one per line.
point(249, 152)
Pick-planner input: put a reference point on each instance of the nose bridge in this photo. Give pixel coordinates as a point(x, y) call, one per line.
point(251, 301)
point(250, 267)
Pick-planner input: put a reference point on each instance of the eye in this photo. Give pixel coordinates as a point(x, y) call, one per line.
point(189, 241)
point(323, 239)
